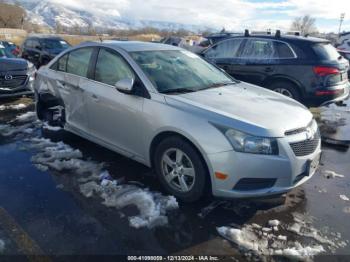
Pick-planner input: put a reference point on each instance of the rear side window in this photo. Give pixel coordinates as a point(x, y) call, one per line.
point(283, 50)
point(110, 68)
point(326, 51)
point(224, 49)
point(78, 61)
point(259, 49)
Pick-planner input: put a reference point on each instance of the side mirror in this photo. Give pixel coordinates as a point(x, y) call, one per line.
point(125, 85)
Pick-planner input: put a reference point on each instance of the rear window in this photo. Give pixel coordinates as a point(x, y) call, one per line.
point(326, 51)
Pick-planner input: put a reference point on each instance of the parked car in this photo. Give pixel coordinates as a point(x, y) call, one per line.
point(201, 130)
point(14, 49)
point(40, 50)
point(306, 69)
point(346, 55)
point(16, 75)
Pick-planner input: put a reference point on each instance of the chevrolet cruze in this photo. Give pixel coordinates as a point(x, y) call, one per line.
point(201, 130)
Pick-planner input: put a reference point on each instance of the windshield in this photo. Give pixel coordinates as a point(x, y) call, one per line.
point(174, 70)
point(6, 53)
point(55, 44)
point(326, 51)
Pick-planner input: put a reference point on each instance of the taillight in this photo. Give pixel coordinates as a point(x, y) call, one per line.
point(325, 70)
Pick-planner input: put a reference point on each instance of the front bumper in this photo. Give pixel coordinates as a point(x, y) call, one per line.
point(279, 173)
point(25, 89)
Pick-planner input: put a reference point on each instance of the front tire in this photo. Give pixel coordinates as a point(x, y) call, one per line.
point(180, 169)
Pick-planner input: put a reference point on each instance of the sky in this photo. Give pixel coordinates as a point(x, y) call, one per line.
point(231, 14)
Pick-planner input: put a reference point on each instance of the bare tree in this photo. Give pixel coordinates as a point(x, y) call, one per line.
point(304, 24)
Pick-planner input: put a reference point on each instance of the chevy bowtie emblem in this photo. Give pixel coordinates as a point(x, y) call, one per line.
point(309, 134)
point(8, 77)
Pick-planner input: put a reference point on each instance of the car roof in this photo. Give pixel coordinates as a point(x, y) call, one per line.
point(45, 37)
point(288, 38)
point(134, 46)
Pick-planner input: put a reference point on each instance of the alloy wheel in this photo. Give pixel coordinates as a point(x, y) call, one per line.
point(178, 170)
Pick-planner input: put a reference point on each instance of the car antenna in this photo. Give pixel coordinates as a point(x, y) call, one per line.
point(246, 32)
point(278, 34)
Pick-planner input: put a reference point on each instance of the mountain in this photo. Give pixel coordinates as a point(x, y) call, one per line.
point(50, 14)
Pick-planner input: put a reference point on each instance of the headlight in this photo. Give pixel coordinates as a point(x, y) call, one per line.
point(246, 143)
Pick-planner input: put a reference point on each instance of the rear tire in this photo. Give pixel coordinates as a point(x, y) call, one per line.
point(180, 169)
point(285, 88)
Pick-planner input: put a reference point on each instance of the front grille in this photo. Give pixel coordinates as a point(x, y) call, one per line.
point(306, 147)
point(16, 81)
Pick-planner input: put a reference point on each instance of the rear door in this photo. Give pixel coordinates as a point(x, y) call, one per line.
point(72, 70)
point(114, 117)
point(258, 60)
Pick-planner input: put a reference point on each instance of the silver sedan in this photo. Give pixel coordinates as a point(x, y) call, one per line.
point(201, 130)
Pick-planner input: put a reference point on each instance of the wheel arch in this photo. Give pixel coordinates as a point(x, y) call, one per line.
point(275, 79)
point(169, 133)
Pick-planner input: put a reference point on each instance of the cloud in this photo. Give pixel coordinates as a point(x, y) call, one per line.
point(231, 14)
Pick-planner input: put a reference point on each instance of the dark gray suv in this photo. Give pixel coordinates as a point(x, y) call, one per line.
point(307, 69)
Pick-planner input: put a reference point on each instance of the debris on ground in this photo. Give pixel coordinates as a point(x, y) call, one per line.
point(331, 174)
point(260, 241)
point(344, 197)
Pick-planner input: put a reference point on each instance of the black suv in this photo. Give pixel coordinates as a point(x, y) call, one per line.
point(307, 69)
point(41, 50)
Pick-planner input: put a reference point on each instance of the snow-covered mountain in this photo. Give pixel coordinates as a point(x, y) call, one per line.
point(49, 13)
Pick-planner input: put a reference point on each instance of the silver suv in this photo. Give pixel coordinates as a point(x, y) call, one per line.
point(200, 129)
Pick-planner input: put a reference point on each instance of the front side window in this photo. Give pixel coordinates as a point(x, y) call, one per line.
point(78, 61)
point(54, 44)
point(110, 68)
point(258, 49)
point(171, 70)
point(224, 49)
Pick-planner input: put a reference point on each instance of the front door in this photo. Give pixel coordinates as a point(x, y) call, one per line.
point(114, 117)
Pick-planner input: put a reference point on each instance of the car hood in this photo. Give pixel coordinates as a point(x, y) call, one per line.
point(13, 64)
point(247, 108)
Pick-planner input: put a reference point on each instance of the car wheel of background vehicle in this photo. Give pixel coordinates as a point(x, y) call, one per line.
point(180, 169)
point(288, 89)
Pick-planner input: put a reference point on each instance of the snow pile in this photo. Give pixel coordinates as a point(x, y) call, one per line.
point(260, 241)
point(2, 246)
point(250, 240)
point(51, 128)
point(152, 206)
point(331, 174)
point(13, 107)
point(344, 197)
point(94, 181)
point(9, 130)
point(26, 117)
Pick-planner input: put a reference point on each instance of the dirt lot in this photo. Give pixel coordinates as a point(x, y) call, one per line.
point(62, 195)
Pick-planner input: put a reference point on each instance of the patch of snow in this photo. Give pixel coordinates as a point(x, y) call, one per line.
point(344, 197)
point(13, 107)
point(274, 223)
point(282, 238)
point(26, 117)
point(299, 252)
point(97, 182)
point(9, 130)
point(51, 128)
point(331, 174)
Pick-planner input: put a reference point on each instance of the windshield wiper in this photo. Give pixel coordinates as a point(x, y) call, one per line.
point(215, 85)
point(177, 90)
